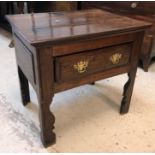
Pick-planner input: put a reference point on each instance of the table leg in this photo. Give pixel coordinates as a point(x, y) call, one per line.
point(127, 93)
point(47, 120)
point(24, 87)
point(45, 95)
point(146, 64)
point(128, 87)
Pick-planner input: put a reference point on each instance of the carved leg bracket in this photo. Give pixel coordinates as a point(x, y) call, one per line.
point(45, 95)
point(47, 121)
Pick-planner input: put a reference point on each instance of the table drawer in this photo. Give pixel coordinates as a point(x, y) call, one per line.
point(74, 66)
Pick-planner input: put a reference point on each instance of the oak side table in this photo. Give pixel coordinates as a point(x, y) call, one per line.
point(61, 50)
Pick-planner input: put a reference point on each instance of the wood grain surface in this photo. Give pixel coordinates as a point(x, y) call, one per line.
point(44, 27)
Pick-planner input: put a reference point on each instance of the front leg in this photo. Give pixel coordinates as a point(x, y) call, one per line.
point(47, 120)
point(45, 94)
point(128, 87)
point(127, 93)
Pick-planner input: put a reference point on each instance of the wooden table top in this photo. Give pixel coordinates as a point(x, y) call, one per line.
point(44, 27)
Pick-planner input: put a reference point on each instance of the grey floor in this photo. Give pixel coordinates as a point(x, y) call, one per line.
point(87, 117)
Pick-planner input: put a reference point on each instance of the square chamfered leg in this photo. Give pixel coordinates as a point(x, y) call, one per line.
point(127, 93)
point(128, 87)
point(47, 121)
point(45, 95)
point(24, 87)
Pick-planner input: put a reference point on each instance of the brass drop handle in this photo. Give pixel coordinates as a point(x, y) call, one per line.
point(81, 66)
point(115, 58)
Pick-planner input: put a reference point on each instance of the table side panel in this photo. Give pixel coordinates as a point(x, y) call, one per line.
point(25, 59)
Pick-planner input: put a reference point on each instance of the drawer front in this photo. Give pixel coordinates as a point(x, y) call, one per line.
point(74, 66)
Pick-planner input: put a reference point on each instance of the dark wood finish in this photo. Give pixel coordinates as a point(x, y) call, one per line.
point(64, 5)
point(64, 49)
point(25, 60)
point(45, 95)
point(132, 7)
point(47, 28)
point(88, 79)
point(128, 87)
point(96, 63)
point(24, 87)
point(50, 43)
point(141, 10)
